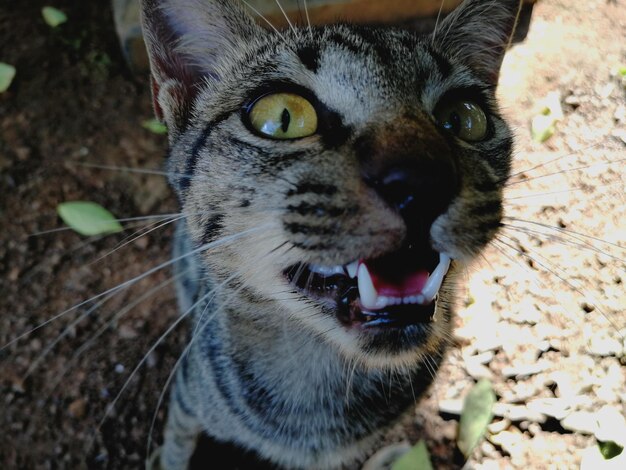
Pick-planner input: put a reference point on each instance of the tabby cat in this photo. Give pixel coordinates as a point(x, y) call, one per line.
point(334, 180)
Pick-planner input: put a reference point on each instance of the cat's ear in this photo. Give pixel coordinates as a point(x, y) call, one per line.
point(187, 40)
point(478, 33)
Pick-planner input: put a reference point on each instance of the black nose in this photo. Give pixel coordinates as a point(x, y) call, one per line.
point(419, 191)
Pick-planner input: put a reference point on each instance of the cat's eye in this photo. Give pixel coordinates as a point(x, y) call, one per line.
point(463, 118)
point(283, 116)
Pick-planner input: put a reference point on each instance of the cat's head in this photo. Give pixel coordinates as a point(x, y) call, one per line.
point(367, 162)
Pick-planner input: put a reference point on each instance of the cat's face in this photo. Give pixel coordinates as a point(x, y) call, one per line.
point(366, 164)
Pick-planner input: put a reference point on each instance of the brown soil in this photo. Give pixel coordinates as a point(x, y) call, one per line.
point(537, 335)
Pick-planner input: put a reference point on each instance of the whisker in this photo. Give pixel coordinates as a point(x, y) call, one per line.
point(137, 235)
point(563, 230)
point(308, 20)
point(434, 36)
point(541, 165)
point(143, 171)
point(34, 364)
point(126, 284)
point(87, 344)
point(122, 220)
point(257, 12)
point(564, 191)
point(167, 332)
point(554, 272)
point(201, 324)
point(562, 240)
point(164, 390)
point(593, 165)
point(533, 276)
point(286, 17)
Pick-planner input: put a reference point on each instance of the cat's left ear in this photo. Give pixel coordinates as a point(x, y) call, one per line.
point(478, 34)
point(187, 42)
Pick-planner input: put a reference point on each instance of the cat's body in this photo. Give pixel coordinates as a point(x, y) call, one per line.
point(296, 248)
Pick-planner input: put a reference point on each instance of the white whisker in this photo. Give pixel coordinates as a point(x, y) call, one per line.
point(286, 17)
point(126, 284)
point(257, 12)
point(308, 20)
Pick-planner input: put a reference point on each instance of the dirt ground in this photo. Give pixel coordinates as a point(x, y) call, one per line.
point(542, 315)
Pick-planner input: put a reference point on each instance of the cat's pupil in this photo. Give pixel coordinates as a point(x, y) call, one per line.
point(285, 119)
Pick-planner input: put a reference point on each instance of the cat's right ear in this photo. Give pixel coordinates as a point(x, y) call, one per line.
point(187, 40)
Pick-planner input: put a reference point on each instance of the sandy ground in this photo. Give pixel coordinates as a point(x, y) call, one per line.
point(542, 315)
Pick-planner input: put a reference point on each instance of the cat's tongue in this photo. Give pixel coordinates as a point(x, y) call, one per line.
point(380, 287)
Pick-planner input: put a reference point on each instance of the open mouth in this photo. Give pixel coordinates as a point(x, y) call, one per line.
point(393, 291)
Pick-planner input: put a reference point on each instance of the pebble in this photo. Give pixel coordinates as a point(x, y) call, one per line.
point(77, 408)
point(525, 370)
point(601, 345)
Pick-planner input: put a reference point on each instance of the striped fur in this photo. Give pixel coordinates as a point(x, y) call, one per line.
point(267, 368)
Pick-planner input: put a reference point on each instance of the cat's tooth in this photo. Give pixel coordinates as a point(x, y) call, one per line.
point(325, 270)
point(382, 302)
point(367, 292)
point(436, 278)
point(352, 269)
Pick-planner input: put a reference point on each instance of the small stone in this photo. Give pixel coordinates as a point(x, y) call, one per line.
point(558, 408)
point(126, 332)
point(477, 370)
point(142, 242)
point(525, 370)
point(600, 345)
point(77, 408)
point(611, 425)
point(517, 413)
point(498, 426)
point(453, 406)
point(511, 442)
point(592, 459)
point(14, 274)
point(583, 422)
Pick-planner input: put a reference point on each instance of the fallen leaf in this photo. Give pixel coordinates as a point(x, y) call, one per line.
point(416, 458)
point(53, 16)
point(88, 218)
point(476, 416)
point(610, 449)
point(154, 126)
point(543, 125)
point(7, 73)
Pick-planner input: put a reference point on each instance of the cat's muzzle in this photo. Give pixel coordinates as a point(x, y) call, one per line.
point(394, 291)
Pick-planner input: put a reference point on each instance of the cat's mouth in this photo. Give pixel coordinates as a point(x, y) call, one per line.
point(393, 291)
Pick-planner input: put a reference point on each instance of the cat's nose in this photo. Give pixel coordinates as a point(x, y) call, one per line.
point(421, 191)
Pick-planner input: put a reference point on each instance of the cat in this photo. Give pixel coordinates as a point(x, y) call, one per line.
point(334, 181)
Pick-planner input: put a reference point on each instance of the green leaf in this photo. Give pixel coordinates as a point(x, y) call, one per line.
point(415, 459)
point(155, 126)
point(609, 449)
point(7, 73)
point(543, 125)
point(542, 128)
point(88, 218)
point(621, 70)
point(53, 16)
point(476, 415)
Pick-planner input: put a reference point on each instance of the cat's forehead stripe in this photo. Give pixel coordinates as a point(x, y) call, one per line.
point(310, 57)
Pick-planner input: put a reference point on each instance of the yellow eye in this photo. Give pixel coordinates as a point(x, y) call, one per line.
point(464, 119)
point(284, 116)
